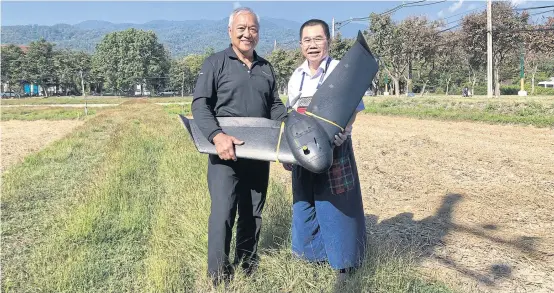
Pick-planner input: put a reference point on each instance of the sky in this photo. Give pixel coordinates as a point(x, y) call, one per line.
point(72, 12)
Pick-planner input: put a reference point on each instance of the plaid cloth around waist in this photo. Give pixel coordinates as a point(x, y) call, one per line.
point(341, 177)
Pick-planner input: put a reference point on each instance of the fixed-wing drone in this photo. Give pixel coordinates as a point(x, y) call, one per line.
point(302, 139)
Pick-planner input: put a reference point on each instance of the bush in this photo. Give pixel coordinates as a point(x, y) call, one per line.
point(509, 90)
point(542, 91)
point(480, 90)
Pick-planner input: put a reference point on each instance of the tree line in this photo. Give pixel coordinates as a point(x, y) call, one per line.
point(415, 55)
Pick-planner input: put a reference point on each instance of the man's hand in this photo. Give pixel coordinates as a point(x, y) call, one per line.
point(287, 166)
point(225, 146)
point(340, 138)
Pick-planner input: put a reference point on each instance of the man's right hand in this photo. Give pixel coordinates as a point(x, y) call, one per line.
point(225, 146)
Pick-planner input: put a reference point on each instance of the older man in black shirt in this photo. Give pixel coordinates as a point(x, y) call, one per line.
point(235, 82)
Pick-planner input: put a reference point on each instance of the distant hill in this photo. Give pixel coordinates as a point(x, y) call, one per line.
point(180, 37)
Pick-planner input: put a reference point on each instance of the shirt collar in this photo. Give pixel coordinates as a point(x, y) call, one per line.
point(305, 68)
point(231, 53)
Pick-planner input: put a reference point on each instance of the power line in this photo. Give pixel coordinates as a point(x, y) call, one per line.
point(536, 7)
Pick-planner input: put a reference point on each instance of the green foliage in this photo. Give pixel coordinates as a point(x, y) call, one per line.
point(180, 37)
point(12, 65)
point(38, 64)
point(339, 46)
point(509, 89)
point(528, 112)
point(543, 91)
point(127, 58)
point(284, 63)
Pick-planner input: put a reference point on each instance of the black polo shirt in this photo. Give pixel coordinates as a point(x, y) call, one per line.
point(226, 87)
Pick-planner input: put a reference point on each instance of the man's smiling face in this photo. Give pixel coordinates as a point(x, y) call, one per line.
point(244, 32)
point(314, 43)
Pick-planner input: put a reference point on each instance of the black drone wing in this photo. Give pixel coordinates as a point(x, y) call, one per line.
point(260, 136)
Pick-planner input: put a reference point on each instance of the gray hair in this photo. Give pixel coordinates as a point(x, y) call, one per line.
point(241, 10)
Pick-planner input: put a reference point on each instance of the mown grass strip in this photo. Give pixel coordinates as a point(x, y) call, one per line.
point(539, 114)
point(54, 113)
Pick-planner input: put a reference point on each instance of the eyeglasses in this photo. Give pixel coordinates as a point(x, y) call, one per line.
point(317, 41)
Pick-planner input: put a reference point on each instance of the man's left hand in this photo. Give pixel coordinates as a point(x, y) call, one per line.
point(340, 138)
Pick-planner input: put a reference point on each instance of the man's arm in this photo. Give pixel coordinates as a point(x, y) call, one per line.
point(278, 110)
point(204, 99)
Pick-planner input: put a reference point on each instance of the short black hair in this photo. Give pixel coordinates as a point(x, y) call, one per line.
point(314, 22)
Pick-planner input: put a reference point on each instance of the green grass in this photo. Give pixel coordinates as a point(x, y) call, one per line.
point(184, 109)
point(39, 113)
point(89, 100)
point(121, 205)
point(532, 111)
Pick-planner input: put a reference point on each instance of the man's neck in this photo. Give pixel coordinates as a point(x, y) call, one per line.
point(247, 58)
point(314, 66)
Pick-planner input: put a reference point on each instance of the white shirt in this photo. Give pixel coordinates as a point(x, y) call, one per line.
point(309, 86)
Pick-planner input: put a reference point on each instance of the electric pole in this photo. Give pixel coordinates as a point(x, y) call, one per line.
point(489, 49)
point(522, 92)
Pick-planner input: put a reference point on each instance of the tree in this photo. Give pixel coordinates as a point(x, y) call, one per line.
point(38, 64)
point(12, 65)
point(386, 42)
point(284, 63)
point(506, 36)
point(179, 75)
point(449, 59)
point(340, 46)
point(419, 45)
point(127, 58)
point(70, 70)
point(539, 47)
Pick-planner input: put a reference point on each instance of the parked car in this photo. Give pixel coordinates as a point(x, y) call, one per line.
point(10, 95)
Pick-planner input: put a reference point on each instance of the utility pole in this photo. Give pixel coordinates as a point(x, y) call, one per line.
point(84, 96)
point(274, 45)
point(489, 48)
point(333, 29)
point(522, 91)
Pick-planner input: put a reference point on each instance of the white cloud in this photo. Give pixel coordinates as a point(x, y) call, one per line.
point(456, 6)
point(236, 5)
point(517, 2)
point(441, 13)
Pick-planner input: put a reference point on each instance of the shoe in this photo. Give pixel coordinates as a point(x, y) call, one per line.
point(343, 275)
point(222, 277)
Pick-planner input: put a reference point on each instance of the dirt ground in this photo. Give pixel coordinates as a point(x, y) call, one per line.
point(20, 138)
point(474, 201)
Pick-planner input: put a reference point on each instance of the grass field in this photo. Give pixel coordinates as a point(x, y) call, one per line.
point(121, 205)
point(49, 113)
point(89, 100)
point(536, 111)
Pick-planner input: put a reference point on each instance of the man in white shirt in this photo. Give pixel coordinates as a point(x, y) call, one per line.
point(328, 223)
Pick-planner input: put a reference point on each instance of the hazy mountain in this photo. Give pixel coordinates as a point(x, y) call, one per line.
point(180, 37)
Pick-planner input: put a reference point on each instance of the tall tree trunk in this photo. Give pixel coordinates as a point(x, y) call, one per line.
point(448, 84)
point(423, 89)
point(533, 79)
point(396, 86)
point(473, 82)
point(497, 81)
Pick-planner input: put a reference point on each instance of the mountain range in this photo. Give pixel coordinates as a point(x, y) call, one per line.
point(180, 37)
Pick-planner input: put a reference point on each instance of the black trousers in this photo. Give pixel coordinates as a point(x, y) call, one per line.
point(236, 185)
